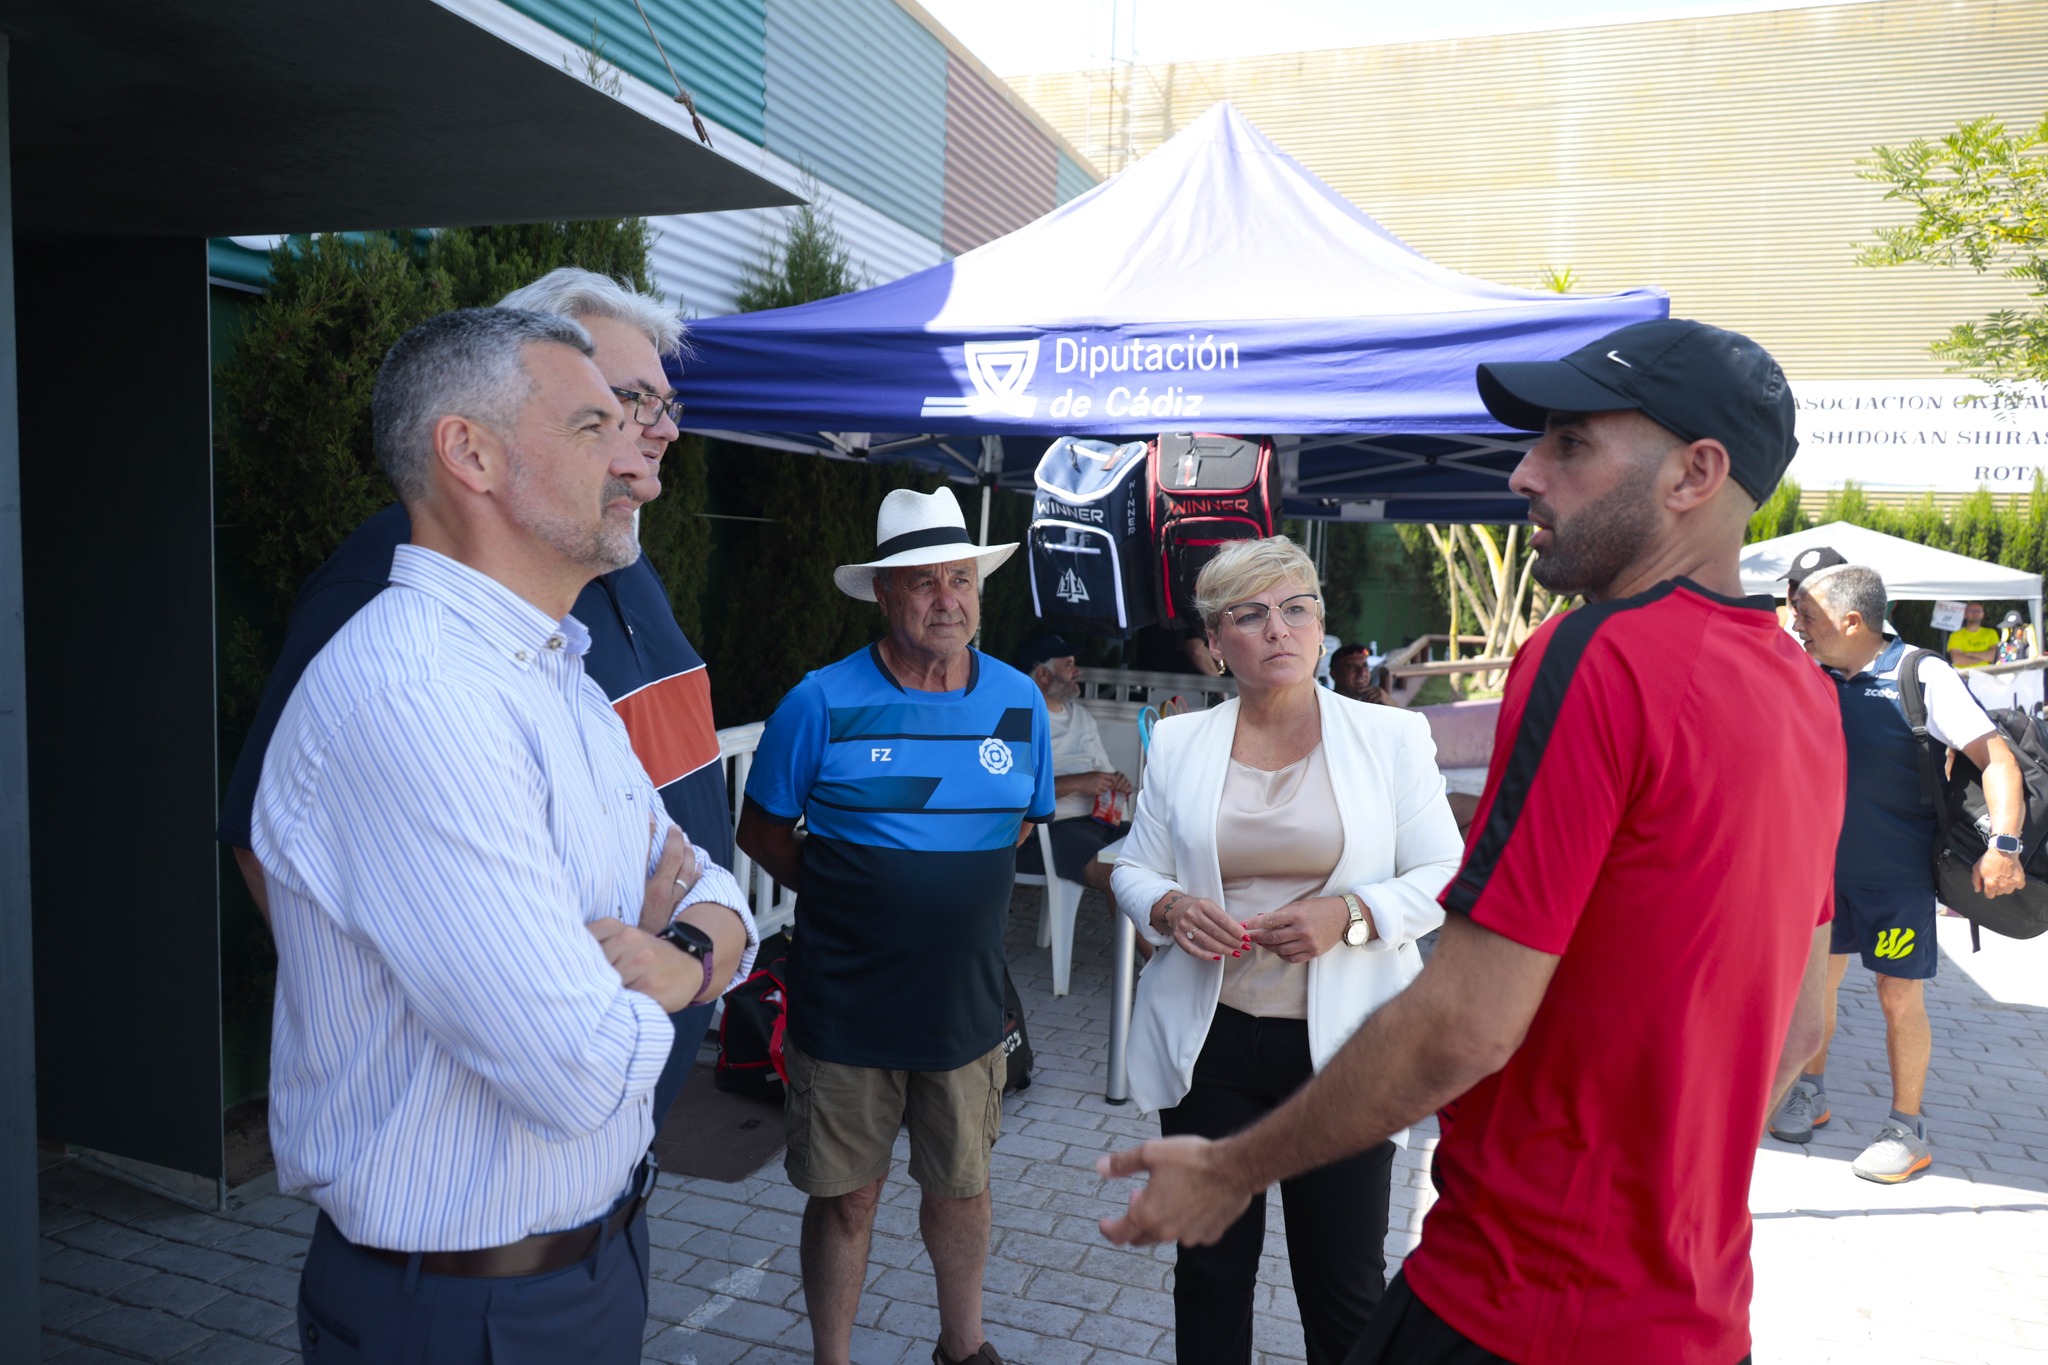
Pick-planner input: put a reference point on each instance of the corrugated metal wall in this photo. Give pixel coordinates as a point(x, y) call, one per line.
point(857, 92)
point(1072, 179)
point(1001, 170)
point(697, 257)
point(718, 47)
point(1714, 156)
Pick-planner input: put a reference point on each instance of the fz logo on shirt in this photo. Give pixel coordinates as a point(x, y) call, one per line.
point(880, 756)
point(1894, 943)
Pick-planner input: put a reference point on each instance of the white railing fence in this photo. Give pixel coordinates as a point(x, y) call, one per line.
point(774, 904)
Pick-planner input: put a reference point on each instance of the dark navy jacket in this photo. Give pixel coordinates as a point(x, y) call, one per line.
point(638, 655)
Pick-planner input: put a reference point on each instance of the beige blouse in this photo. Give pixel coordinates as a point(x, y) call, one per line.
point(1278, 839)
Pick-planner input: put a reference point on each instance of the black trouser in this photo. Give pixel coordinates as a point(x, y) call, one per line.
point(1406, 1332)
point(1336, 1215)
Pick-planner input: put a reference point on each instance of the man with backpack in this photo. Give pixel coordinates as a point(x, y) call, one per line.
point(1884, 870)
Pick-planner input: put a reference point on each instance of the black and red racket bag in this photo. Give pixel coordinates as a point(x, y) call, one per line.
point(1207, 491)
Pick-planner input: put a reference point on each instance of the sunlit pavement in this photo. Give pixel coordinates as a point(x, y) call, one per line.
point(1951, 1266)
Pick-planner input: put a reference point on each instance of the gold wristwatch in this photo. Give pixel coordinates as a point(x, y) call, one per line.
point(1359, 931)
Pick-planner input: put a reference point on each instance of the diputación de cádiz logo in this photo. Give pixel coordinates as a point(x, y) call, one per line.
point(996, 756)
point(1156, 370)
point(1000, 372)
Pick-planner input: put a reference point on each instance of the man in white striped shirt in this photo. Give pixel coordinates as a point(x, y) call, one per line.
point(461, 848)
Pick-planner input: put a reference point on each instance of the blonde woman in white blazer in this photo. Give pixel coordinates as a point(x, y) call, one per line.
point(1287, 852)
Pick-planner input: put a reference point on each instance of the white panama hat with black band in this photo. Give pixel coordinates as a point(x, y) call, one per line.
point(918, 528)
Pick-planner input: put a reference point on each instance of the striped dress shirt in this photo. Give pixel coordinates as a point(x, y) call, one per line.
point(446, 805)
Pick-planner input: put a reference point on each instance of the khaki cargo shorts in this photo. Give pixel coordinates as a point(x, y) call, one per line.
point(841, 1122)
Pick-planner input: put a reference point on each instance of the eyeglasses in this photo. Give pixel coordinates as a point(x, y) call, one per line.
point(648, 408)
point(1296, 613)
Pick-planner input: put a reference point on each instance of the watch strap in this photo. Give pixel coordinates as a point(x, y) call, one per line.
point(704, 953)
point(1356, 909)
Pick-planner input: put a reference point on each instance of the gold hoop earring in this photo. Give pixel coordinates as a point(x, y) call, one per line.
point(1222, 668)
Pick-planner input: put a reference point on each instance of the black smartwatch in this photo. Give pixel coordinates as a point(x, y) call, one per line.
point(693, 941)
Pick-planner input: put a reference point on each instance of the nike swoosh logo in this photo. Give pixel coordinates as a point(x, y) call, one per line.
point(1616, 358)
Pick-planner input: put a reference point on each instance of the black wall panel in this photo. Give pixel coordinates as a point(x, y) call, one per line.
point(117, 550)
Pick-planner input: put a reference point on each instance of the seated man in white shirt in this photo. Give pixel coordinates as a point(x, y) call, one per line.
point(1082, 772)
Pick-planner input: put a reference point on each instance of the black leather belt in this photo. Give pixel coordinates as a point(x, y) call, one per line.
point(535, 1255)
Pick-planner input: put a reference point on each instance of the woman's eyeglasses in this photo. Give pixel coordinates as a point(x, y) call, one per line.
point(1296, 613)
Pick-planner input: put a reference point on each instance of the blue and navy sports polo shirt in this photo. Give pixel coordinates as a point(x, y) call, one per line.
point(1889, 824)
point(647, 667)
point(913, 802)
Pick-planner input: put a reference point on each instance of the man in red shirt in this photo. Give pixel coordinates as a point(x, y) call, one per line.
point(1632, 971)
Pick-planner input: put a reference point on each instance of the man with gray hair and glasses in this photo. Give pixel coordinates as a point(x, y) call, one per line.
point(1884, 874)
point(459, 843)
point(638, 653)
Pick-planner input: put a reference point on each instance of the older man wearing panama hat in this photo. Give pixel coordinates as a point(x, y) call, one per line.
point(915, 766)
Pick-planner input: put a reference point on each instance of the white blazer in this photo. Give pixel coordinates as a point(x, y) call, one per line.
point(1401, 847)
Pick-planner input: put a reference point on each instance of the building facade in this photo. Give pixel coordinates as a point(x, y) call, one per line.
point(914, 150)
point(1714, 155)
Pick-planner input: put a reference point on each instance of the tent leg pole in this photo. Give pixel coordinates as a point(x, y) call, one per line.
point(986, 492)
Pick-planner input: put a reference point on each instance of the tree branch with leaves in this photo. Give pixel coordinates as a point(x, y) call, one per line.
point(1980, 201)
point(1489, 579)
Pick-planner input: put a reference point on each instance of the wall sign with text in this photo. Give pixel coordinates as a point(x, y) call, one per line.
point(1911, 435)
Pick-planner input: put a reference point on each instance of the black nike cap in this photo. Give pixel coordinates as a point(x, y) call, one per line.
point(1697, 382)
point(1809, 562)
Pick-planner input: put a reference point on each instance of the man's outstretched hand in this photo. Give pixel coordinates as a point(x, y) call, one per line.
point(1191, 1197)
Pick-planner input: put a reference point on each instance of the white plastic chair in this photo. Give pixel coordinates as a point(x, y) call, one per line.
point(1056, 920)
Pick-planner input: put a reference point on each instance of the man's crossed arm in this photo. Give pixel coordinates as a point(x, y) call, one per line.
point(698, 892)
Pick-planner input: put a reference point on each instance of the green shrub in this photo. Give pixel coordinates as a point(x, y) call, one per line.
point(294, 452)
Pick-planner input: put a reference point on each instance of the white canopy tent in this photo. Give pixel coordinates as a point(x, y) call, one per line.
point(1911, 572)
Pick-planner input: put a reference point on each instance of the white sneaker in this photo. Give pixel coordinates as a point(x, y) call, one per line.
point(1898, 1153)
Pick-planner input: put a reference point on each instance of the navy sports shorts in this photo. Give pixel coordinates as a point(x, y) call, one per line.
point(1075, 842)
point(1892, 928)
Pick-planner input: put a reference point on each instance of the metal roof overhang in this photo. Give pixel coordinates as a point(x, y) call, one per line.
point(210, 118)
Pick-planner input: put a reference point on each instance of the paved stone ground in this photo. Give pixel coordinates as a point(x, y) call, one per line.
point(1950, 1267)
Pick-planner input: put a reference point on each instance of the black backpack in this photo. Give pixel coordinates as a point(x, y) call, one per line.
point(1963, 823)
point(1089, 543)
point(750, 1033)
point(1016, 1042)
point(1207, 491)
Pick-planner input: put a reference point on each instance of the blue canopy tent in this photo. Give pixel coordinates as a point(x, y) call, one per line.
point(1215, 285)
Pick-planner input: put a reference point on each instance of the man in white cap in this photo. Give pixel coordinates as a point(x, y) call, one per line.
point(915, 765)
